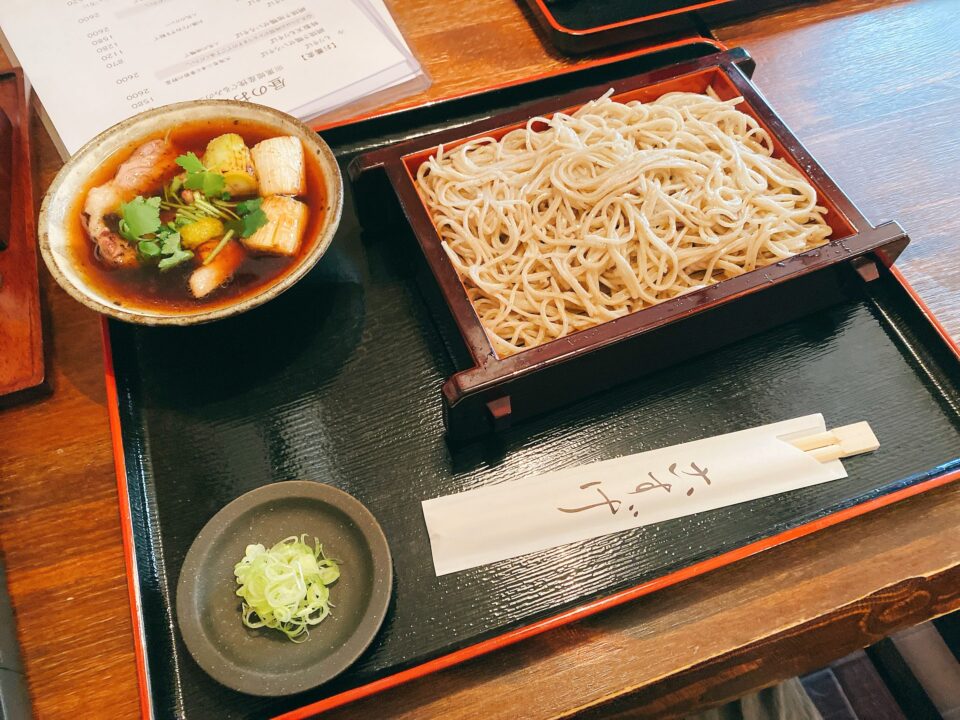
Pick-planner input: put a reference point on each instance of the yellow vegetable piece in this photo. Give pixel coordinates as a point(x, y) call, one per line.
point(199, 232)
point(240, 184)
point(229, 155)
point(286, 223)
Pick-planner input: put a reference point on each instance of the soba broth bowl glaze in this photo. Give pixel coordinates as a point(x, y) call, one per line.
point(117, 279)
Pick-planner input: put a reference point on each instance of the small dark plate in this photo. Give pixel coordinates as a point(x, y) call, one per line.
point(263, 661)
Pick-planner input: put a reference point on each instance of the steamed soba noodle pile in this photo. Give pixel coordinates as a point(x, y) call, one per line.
point(583, 218)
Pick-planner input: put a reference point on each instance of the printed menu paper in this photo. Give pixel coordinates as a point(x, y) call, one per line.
point(96, 62)
point(502, 521)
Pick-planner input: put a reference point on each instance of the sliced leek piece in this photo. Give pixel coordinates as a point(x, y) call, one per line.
point(283, 233)
point(279, 165)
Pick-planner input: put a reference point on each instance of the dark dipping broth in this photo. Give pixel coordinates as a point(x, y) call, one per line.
point(146, 288)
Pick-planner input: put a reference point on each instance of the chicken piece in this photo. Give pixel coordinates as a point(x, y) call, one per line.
point(286, 222)
point(143, 171)
point(280, 167)
point(111, 247)
point(207, 278)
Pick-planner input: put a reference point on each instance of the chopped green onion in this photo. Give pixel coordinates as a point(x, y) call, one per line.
point(285, 587)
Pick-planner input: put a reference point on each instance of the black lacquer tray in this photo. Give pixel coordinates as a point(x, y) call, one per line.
point(337, 380)
point(583, 26)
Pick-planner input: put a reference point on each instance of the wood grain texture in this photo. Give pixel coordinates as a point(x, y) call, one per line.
point(872, 88)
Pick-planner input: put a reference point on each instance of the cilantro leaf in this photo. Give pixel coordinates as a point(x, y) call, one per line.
point(173, 260)
point(199, 178)
point(169, 242)
point(139, 217)
point(248, 224)
point(252, 222)
point(248, 206)
point(252, 218)
point(173, 253)
point(155, 241)
point(209, 183)
point(148, 248)
point(191, 163)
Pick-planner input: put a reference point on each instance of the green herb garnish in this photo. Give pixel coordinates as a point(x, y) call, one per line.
point(173, 253)
point(162, 246)
point(148, 248)
point(199, 178)
point(248, 206)
point(139, 217)
point(251, 219)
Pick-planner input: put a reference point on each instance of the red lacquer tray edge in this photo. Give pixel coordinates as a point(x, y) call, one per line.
point(526, 631)
point(126, 524)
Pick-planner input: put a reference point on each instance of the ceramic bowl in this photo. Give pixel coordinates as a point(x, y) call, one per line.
point(61, 255)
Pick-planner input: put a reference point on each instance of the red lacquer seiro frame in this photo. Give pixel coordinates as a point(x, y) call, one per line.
point(517, 634)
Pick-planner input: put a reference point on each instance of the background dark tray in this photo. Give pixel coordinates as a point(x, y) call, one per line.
point(338, 381)
point(582, 26)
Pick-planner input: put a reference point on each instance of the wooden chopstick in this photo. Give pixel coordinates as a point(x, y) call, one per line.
point(838, 443)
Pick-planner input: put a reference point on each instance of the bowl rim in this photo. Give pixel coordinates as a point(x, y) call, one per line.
point(328, 166)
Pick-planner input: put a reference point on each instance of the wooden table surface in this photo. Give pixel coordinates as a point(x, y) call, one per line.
point(873, 89)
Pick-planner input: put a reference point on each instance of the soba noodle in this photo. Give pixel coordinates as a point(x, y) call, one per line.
point(579, 219)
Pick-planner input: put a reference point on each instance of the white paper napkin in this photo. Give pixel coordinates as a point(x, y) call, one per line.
point(502, 521)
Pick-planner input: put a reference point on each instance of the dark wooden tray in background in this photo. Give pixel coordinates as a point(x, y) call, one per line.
point(582, 26)
point(337, 381)
point(21, 331)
